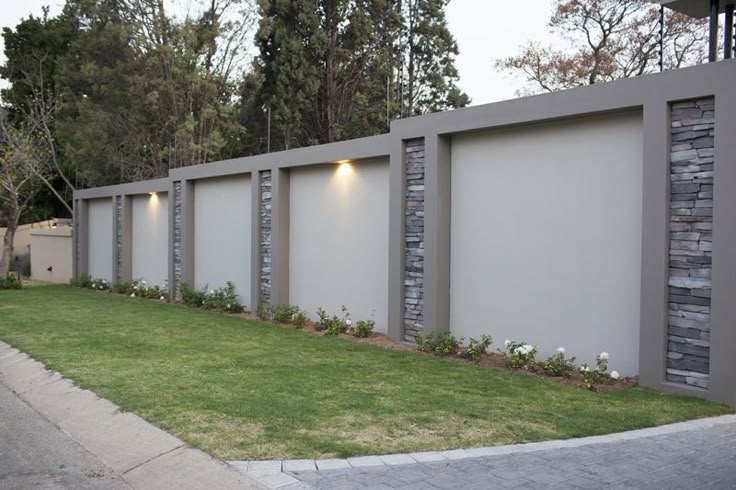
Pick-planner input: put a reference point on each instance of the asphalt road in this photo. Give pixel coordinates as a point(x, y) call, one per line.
point(36, 454)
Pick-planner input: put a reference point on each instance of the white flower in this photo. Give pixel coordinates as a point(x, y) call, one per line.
point(604, 355)
point(132, 295)
point(506, 343)
point(212, 291)
point(584, 369)
point(162, 298)
point(561, 350)
point(228, 306)
point(104, 281)
point(614, 374)
point(135, 287)
point(143, 282)
point(348, 322)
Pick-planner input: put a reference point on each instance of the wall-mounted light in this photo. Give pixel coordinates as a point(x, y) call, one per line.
point(344, 169)
point(151, 193)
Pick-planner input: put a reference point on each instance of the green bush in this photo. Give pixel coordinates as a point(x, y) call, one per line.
point(191, 297)
point(363, 328)
point(263, 312)
point(11, 281)
point(559, 365)
point(284, 313)
point(476, 348)
point(300, 319)
point(442, 343)
point(83, 281)
point(333, 325)
point(520, 355)
point(222, 299)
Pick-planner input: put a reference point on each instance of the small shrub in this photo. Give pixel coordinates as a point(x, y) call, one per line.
point(559, 365)
point(520, 355)
point(476, 348)
point(363, 328)
point(333, 325)
point(263, 312)
point(191, 297)
point(442, 343)
point(83, 281)
point(284, 313)
point(593, 377)
point(100, 285)
point(300, 319)
point(11, 281)
point(222, 299)
point(322, 319)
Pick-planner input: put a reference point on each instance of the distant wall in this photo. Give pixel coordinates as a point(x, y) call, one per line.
point(51, 248)
point(222, 243)
point(100, 239)
point(339, 239)
point(150, 225)
point(22, 241)
point(546, 236)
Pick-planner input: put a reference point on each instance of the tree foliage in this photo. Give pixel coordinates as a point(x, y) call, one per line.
point(330, 70)
point(608, 40)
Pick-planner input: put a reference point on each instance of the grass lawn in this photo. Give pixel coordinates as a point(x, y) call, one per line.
point(243, 389)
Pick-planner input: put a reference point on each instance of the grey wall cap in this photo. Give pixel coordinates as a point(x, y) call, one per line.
point(142, 187)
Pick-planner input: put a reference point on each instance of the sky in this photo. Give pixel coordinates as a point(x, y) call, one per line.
point(485, 30)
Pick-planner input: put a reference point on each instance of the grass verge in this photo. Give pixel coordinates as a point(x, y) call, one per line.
point(242, 389)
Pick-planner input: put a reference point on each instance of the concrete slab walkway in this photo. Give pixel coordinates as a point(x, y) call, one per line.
point(694, 454)
point(47, 422)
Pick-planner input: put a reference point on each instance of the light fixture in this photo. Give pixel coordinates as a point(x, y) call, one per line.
point(344, 169)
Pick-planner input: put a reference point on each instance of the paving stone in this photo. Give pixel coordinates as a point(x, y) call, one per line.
point(695, 454)
point(298, 465)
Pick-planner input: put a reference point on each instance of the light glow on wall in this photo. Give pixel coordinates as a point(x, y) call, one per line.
point(344, 168)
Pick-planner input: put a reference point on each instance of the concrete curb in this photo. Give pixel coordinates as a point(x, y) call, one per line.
point(275, 473)
point(144, 455)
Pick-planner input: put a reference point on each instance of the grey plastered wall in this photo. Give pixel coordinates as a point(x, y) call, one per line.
point(652, 95)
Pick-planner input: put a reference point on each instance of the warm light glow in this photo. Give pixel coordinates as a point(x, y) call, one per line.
point(344, 169)
point(153, 200)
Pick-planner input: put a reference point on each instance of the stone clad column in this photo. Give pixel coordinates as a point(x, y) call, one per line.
point(691, 242)
point(264, 242)
point(413, 279)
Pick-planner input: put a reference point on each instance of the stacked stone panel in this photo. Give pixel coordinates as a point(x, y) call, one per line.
point(265, 235)
point(118, 238)
point(414, 240)
point(177, 233)
point(77, 237)
point(691, 237)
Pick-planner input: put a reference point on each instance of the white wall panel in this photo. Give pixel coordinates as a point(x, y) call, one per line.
point(546, 236)
point(222, 247)
point(150, 238)
point(100, 238)
point(339, 239)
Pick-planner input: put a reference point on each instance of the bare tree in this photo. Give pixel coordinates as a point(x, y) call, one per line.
point(609, 39)
point(19, 151)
